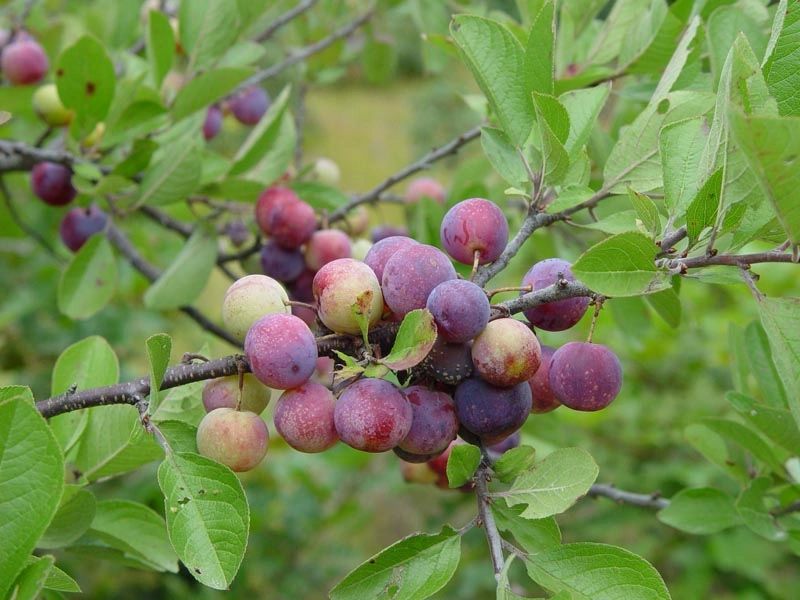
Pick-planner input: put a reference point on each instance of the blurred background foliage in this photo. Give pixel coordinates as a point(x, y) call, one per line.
point(314, 517)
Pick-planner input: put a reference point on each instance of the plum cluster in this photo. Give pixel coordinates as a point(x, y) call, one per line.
point(247, 106)
point(483, 377)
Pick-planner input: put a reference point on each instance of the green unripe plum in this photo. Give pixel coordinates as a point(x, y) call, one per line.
point(359, 249)
point(48, 106)
point(342, 284)
point(223, 392)
point(249, 299)
point(237, 439)
point(326, 171)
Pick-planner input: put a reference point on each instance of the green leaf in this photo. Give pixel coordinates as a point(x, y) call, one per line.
point(159, 347)
point(700, 511)
point(503, 156)
point(762, 365)
point(540, 48)
point(533, 535)
point(137, 159)
point(646, 211)
point(770, 145)
point(681, 145)
point(90, 279)
point(570, 196)
point(713, 448)
point(513, 462)
point(206, 89)
point(173, 174)
point(266, 134)
point(775, 423)
point(583, 108)
point(207, 516)
point(702, 212)
point(622, 265)
point(414, 340)
point(754, 513)
point(137, 531)
point(182, 282)
point(590, 571)
point(667, 304)
point(318, 195)
point(462, 463)
point(553, 484)
point(57, 580)
point(724, 25)
point(553, 122)
point(497, 61)
point(780, 70)
point(781, 320)
point(75, 513)
point(678, 61)
point(160, 45)
point(32, 472)
point(379, 60)
point(243, 190)
point(746, 438)
point(416, 567)
point(86, 81)
point(182, 436)
point(33, 578)
point(207, 29)
point(182, 403)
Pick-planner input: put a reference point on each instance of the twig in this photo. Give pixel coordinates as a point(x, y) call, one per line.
point(18, 156)
point(254, 248)
point(30, 231)
point(729, 260)
point(283, 19)
point(673, 238)
point(163, 219)
point(788, 509)
point(375, 193)
point(603, 490)
point(511, 288)
point(485, 516)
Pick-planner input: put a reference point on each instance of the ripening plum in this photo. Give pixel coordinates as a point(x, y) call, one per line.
point(460, 308)
point(434, 424)
point(559, 315)
point(448, 363)
point(425, 187)
point(543, 398)
point(507, 444)
point(237, 439)
point(250, 298)
point(356, 222)
point(372, 415)
point(281, 350)
point(506, 353)
point(271, 200)
point(213, 122)
point(585, 376)
point(249, 105)
point(24, 61)
point(492, 413)
point(474, 225)
point(292, 224)
point(304, 417)
point(48, 106)
point(384, 231)
point(237, 232)
point(223, 392)
point(382, 251)
point(360, 248)
point(410, 275)
point(53, 183)
point(326, 245)
point(326, 171)
point(342, 288)
point(280, 263)
point(79, 224)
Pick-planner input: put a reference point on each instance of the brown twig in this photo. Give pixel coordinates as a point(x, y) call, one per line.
point(283, 19)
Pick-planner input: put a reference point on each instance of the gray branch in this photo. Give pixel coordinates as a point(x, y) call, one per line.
point(283, 19)
point(603, 490)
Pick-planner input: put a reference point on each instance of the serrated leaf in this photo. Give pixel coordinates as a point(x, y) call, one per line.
point(583, 108)
point(700, 511)
point(780, 70)
point(415, 568)
point(513, 462)
point(781, 320)
point(206, 89)
point(533, 535)
point(622, 265)
point(208, 518)
point(462, 464)
point(775, 423)
point(681, 145)
point(207, 29)
point(182, 436)
point(497, 61)
point(73, 517)
point(553, 123)
point(540, 49)
point(646, 211)
point(504, 158)
point(591, 571)
point(173, 175)
point(553, 484)
point(186, 276)
point(90, 279)
point(263, 136)
point(570, 196)
point(754, 513)
point(160, 45)
point(32, 472)
point(678, 61)
point(182, 403)
point(702, 212)
point(159, 347)
point(57, 580)
point(414, 340)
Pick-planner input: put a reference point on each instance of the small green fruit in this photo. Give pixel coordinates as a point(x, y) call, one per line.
point(48, 106)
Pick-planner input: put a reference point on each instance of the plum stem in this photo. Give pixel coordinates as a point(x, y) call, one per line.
point(598, 306)
point(510, 288)
point(476, 259)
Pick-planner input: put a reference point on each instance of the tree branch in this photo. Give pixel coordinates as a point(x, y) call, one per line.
point(374, 194)
point(729, 260)
point(603, 490)
point(18, 156)
point(283, 19)
point(482, 478)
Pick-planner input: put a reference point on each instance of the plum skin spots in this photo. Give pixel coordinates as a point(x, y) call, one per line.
point(434, 424)
point(372, 415)
point(460, 308)
point(282, 351)
point(585, 376)
point(474, 225)
point(304, 418)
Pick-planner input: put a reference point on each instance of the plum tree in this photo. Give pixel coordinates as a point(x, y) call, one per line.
point(558, 315)
point(280, 263)
point(237, 439)
point(448, 363)
point(281, 350)
point(492, 413)
point(213, 122)
point(434, 423)
point(47, 104)
point(23, 61)
point(382, 251)
point(585, 376)
point(292, 223)
point(304, 418)
point(372, 415)
point(474, 226)
point(326, 245)
point(224, 392)
point(250, 298)
point(79, 224)
point(425, 187)
point(344, 288)
point(410, 275)
point(460, 308)
point(506, 353)
point(544, 400)
point(52, 183)
point(249, 105)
